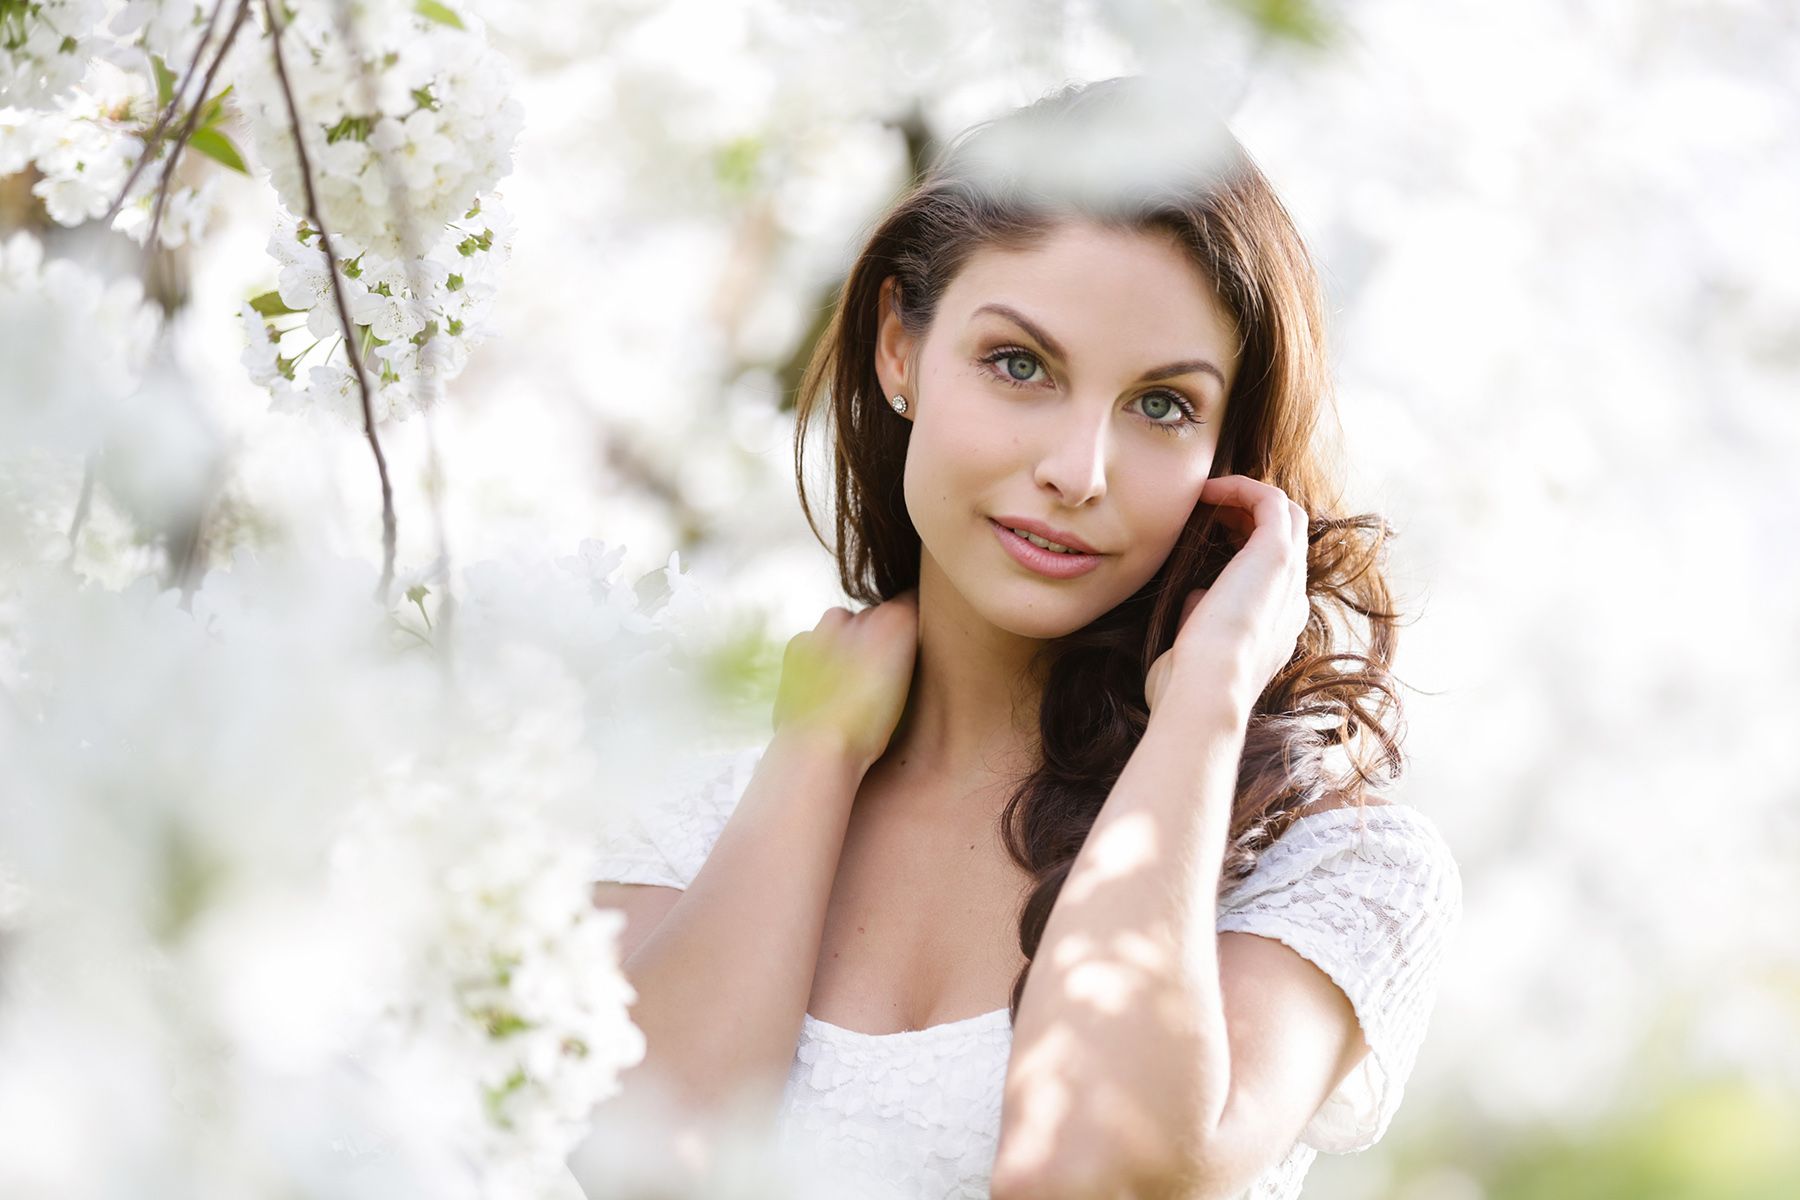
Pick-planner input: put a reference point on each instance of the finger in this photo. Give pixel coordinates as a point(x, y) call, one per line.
point(1300, 521)
point(1265, 502)
point(1237, 522)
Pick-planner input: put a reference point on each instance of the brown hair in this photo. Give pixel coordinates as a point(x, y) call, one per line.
point(1093, 711)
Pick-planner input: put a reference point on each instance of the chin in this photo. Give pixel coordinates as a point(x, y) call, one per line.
point(1038, 611)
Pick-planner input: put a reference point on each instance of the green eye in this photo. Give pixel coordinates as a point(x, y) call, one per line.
point(1000, 364)
point(1015, 358)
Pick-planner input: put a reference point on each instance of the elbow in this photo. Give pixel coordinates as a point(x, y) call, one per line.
point(1098, 1182)
point(1195, 1177)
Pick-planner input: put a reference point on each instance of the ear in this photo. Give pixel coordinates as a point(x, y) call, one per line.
point(894, 350)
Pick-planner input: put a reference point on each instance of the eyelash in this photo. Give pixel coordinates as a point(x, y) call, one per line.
point(1174, 428)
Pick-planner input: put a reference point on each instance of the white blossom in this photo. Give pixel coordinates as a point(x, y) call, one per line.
point(169, 29)
point(369, 882)
point(421, 316)
point(85, 146)
point(45, 47)
point(74, 343)
point(405, 122)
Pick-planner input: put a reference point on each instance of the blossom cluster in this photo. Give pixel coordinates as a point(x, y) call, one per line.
point(45, 46)
point(89, 338)
point(85, 148)
point(416, 318)
point(407, 122)
point(368, 891)
point(406, 119)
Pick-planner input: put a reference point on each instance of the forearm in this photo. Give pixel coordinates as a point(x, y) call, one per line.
point(724, 979)
point(1123, 1008)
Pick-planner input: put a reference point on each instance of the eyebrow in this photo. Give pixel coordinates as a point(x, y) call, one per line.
point(1186, 366)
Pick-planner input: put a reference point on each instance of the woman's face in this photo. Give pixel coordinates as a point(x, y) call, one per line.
point(1079, 384)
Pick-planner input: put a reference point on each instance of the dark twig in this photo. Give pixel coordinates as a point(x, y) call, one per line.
point(403, 217)
point(343, 308)
point(154, 137)
point(81, 508)
point(187, 126)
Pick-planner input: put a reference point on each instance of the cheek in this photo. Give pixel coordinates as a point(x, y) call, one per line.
point(1157, 510)
point(959, 444)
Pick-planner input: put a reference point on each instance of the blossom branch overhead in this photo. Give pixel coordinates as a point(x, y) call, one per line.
point(386, 128)
point(337, 294)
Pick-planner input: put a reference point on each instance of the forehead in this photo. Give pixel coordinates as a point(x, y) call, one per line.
point(1102, 292)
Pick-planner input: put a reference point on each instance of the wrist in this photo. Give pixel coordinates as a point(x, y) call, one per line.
point(1206, 691)
point(821, 746)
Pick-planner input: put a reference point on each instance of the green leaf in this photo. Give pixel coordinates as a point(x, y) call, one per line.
point(501, 1023)
point(1302, 22)
point(218, 147)
point(165, 81)
point(213, 110)
point(440, 13)
point(354, 127)
point(269, 305)
point(734, 164)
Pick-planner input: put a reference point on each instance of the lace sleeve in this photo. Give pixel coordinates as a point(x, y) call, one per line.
point(666, 839)
point(1371, 897)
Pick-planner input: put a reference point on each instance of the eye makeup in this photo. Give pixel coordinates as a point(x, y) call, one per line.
point(1191, 417)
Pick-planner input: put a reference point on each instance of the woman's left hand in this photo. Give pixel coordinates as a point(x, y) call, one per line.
point(1235, 635)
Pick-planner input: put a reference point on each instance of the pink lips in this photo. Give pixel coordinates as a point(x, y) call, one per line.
point(1044, 562)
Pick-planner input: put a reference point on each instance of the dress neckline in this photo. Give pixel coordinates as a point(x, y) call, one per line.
point(996, 1017)
point(999, 1016)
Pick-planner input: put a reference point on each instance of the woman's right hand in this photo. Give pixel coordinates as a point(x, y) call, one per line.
point(845, 681)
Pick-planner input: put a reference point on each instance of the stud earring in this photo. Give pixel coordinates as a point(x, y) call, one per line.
point(899, 403)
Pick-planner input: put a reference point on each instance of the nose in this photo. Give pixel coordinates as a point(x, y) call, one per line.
point(1073, 465)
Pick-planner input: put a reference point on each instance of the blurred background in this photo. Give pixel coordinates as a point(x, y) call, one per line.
point(1561, 243)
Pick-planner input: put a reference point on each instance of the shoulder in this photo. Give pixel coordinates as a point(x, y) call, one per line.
point(1382, 847)
point(1374, 895)
point(692, 813)
point(1371, 896)
point(664, 834)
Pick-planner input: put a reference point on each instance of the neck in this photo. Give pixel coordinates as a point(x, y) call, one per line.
point(971, 713)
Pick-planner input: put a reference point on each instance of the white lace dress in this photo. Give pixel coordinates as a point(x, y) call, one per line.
point(1370, 897)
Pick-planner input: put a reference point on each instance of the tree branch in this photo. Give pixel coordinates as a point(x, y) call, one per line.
point(81, 508)
point(187, 126)
point(343, 307)
point(403, 217)
point(154, 137)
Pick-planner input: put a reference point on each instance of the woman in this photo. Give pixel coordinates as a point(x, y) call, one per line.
point(1065, 871)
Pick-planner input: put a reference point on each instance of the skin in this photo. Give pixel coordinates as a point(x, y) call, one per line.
point(1198, 1106)
point(1210, 1051)
point(1085, 445)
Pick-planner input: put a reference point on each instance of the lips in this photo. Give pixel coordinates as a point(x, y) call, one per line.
point(1048, 532)
point(1043, 562)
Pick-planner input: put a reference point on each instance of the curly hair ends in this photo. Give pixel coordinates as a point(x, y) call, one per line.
point(1326, 731)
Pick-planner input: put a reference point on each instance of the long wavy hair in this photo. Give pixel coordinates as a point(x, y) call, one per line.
point(1330, 700)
